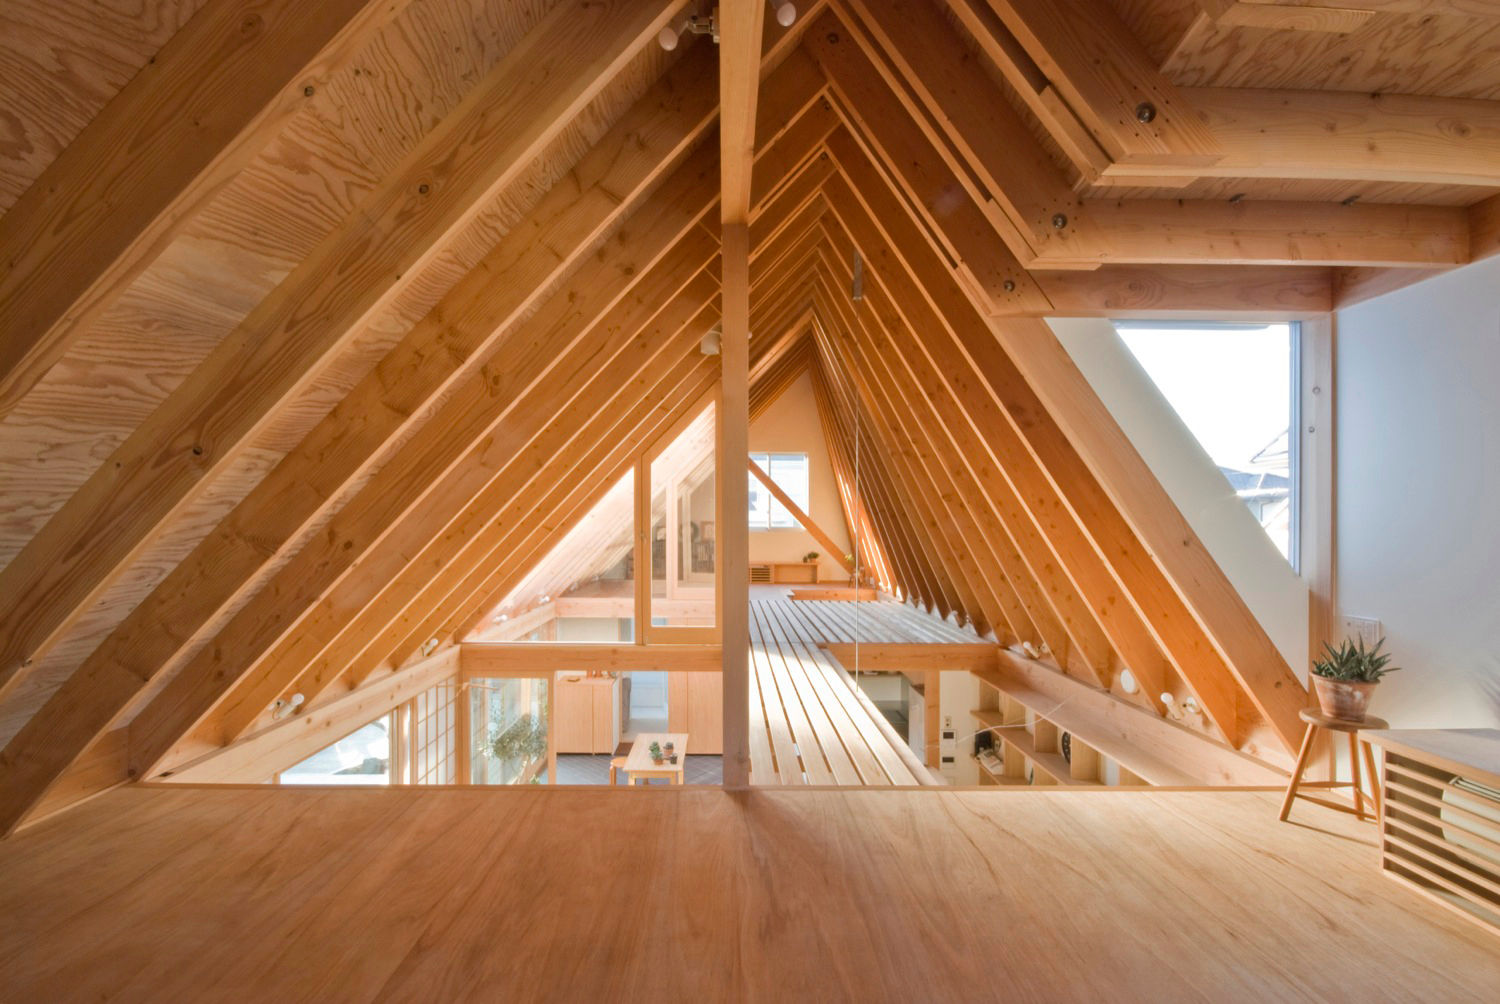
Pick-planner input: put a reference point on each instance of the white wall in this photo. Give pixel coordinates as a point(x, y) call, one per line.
point(792, 425)
point(1273, 592)
point(1418, 410)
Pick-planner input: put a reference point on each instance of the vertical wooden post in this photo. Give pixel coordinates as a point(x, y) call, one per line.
point(463, 740)
point(642, 550)
point(734, 480)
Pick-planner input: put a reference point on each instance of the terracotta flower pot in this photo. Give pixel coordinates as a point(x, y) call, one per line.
point(1343, 699)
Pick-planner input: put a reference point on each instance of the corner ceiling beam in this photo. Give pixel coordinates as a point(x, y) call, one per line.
point(1031, 206)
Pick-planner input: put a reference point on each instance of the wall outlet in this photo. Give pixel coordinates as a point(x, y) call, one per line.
point(1365, 629)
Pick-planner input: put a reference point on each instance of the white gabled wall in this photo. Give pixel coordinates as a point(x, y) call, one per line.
point(1418, 427)
point(1273, 592)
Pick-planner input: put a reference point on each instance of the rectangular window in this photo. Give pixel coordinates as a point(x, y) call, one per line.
point(789, 472)
point(1236, 388)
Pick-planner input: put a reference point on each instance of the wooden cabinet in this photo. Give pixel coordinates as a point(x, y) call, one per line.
point(695, 705)
point(586, 717)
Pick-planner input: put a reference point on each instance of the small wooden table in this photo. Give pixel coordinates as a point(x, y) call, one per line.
point(639, 764)
point(1317, 720)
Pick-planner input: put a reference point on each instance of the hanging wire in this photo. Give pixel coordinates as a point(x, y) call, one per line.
point(857, 294)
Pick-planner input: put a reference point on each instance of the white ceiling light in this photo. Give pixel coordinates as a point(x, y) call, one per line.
point(786, 13)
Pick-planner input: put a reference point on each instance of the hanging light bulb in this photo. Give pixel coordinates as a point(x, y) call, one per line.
point(786, 13)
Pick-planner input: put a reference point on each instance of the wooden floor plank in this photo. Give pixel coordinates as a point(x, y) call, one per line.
point(295, 894)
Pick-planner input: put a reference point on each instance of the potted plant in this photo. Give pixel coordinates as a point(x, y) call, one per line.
point(810, 556)
point(655, 750)
point(1346, 676)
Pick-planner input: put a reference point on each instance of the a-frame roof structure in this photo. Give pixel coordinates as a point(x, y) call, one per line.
point(323, 323)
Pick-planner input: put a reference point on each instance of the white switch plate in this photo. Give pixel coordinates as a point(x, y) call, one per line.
point(1365, 629)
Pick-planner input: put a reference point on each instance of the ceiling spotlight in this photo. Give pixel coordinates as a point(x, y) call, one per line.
point(786, 13)
point(711, 342)
point(286, 706)
point(693, 24)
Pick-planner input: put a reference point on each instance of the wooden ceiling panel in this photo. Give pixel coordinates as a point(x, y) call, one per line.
point(1441, 55)
point(1302, 190)
point(60, 62)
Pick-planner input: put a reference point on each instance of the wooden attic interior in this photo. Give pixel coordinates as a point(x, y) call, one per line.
point(343, 345)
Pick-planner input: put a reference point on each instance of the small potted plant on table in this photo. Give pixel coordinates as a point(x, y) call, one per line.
point(1346, 677)
point(655, 750)
point(671, 751)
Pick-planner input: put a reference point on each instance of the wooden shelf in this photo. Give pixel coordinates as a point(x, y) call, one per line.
point(1095, 733)
point(1054, 765)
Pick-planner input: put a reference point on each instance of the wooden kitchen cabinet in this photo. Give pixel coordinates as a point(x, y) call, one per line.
point(695, 705)
point(586, 716)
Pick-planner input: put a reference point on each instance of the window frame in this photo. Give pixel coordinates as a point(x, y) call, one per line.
point(769, 468)
point(1295, 430)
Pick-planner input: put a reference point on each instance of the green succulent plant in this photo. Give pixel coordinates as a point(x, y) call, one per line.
point(1353, 663)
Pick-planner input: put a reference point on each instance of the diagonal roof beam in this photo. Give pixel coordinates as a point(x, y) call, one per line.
point(480, 147)
point(186, 124)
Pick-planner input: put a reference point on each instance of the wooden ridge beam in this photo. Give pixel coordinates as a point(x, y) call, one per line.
point(481, 146)
point(187, 123)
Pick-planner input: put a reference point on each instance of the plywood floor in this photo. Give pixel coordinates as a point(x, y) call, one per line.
point(255, 894)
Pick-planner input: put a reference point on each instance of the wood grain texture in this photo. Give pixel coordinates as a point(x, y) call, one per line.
point(188, 122)
point(487, 141)
point(1084, 895)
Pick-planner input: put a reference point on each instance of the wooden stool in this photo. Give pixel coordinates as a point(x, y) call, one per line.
point(1317, 720)
point(615, 765)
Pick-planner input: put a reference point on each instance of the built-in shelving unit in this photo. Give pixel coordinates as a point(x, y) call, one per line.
point(1041, 749)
